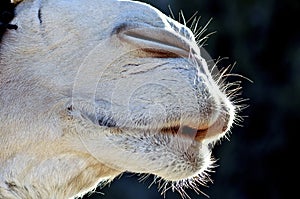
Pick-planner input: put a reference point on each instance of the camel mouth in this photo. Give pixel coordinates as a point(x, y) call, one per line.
point(155, 39)
point(201, 133)
point(186, 132)
point(210, 130)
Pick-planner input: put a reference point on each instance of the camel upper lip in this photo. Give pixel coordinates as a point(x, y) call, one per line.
point(161, 39)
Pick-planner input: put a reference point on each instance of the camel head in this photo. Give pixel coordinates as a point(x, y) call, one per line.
point(91, 89)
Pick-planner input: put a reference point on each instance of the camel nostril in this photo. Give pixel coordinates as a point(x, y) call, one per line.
point(156, 39)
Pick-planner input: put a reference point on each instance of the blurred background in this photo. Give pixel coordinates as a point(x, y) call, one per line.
point(263, 38)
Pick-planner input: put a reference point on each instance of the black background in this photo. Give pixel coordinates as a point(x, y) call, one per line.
point(260, 160)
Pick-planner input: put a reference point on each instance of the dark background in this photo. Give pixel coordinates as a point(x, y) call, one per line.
point(263, 38)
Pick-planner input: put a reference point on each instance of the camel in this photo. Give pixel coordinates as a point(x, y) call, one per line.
point(91, 89)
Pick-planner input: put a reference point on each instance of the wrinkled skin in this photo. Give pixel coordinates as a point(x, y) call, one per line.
point(90, 89)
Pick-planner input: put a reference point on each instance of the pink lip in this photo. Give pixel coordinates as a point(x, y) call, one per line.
point(219, 127)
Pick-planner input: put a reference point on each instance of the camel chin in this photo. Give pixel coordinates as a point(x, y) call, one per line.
point(91, 89)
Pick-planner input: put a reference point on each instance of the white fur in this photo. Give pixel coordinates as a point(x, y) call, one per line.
point(64, 72)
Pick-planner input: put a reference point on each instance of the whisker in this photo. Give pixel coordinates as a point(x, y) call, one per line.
point(143, 177)
point(182, 16)
point(179, 17)
point(193, 17)
point(203, 40)
point(171, 12)
point(199, 33)
point(195, 23)
point(237, 75)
